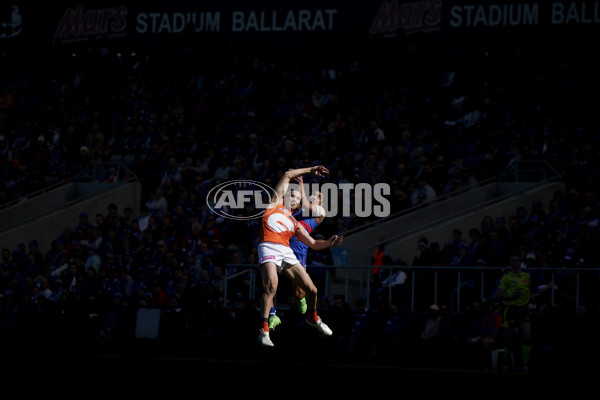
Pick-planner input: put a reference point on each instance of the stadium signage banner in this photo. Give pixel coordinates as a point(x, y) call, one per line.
point(505, 14)
point(240, 21)
point(62, 22)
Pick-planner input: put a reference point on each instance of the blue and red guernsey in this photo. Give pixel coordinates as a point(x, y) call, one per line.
point(299, 248)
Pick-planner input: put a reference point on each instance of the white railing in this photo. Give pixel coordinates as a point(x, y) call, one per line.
point(426, 285)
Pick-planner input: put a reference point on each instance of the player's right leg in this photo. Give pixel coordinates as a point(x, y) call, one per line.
point(270, 280)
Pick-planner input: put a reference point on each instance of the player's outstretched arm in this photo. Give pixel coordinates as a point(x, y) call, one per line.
point(288, 176)
point(317, 244)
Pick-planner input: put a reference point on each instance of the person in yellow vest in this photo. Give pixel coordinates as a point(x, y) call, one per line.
point(514, 290)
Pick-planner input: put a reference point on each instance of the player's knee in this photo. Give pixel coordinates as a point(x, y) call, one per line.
point(312, 289)
point(271, 286)
point(299, 293)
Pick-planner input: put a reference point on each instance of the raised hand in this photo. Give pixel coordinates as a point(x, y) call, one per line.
point(336, 240)
point(319, 170)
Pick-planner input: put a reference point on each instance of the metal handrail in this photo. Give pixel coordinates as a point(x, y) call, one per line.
point(418, 207)
point(252, 269)
point(86, 176)
point(517, 171)
point(511, 173)
point(79, 177)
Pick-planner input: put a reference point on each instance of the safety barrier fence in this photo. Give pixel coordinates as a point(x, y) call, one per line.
point(456, 287)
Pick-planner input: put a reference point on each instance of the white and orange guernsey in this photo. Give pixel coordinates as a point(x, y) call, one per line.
point(278, 226)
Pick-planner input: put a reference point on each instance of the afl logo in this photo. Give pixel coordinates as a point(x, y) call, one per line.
point(240, 199)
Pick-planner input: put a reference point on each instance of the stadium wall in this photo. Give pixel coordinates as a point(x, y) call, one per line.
point(48, 223)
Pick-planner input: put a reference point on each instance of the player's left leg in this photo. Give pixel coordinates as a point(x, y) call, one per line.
point(300, 278)
point(301, 299)
point(274, 319)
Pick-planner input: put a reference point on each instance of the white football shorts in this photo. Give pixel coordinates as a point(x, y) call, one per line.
point(276, 253)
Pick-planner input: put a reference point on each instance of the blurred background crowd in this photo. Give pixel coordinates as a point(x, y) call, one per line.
point(400, 110)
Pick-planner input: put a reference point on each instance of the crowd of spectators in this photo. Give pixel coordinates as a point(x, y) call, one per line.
point(406, 111)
